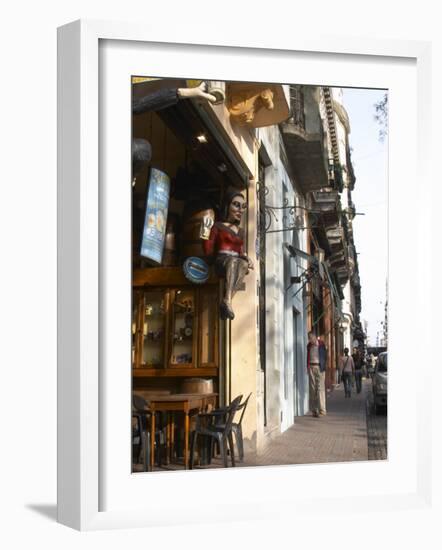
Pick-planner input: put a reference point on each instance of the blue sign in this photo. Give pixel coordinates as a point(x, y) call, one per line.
point(196, 270)
point(157, 205)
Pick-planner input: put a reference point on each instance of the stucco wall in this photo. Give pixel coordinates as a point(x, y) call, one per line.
point(242, 335)
point(246, 374)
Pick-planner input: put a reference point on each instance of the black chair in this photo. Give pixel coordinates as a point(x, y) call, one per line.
point(141, 432)
point(140, 440)
point(207, 427)
point(236, 427)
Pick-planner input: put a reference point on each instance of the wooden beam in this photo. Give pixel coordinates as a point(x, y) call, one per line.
point(165, 276)
point(174, 372)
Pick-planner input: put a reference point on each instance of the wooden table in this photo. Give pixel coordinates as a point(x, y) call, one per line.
point(177, 402)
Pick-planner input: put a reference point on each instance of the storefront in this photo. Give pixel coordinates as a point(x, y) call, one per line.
point(176, 330)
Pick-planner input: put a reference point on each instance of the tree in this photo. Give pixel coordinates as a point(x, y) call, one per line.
point(381, 116)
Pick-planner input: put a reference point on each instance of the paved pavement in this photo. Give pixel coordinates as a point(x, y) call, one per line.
point(340, 436)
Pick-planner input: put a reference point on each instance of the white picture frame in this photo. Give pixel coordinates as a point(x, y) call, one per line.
point(82, 296)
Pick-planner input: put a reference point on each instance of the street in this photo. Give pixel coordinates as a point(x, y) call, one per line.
point(376, 430)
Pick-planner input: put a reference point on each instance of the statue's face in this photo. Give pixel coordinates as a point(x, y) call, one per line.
point(236, 209)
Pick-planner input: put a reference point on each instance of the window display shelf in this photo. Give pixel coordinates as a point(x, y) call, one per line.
point(173, 371)
point(182, 339)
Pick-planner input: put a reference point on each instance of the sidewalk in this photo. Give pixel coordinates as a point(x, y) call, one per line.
point(340, 436)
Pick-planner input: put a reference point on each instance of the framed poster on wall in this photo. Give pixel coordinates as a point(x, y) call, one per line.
point(96, 486)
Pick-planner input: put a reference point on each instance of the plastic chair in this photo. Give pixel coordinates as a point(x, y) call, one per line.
point(140, 411)
point(237, 427)
point(141, 439)
point(211, 430)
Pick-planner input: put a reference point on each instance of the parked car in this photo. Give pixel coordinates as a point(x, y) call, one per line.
point(380, 382)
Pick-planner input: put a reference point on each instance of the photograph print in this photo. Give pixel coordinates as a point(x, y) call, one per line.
point(259, 274)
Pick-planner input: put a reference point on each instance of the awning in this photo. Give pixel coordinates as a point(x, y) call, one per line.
point(333, 288)
point(313, 260)
point(191, 118)
point(297, 252)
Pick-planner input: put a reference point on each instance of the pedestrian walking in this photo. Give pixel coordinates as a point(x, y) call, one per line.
point(372, 362)
point(347, 368)
point(338, 370)
point(316, 364)
point(357, 360)
point(365, 366)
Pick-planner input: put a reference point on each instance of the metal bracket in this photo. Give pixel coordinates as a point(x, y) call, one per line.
point(291, 215)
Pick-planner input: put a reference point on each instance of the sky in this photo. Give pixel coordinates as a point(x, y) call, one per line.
point(369, 157)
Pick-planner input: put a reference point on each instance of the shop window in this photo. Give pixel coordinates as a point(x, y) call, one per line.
point(175, 328)
point(183, 327)
point(148, 328)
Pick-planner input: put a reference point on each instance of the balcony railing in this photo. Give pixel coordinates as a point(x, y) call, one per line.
point(304, 139)
point(335, 177)
point(297, 115)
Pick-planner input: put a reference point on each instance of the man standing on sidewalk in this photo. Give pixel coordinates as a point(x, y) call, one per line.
point(316, 363)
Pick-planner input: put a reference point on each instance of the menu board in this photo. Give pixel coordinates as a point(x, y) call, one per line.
point(157, 205)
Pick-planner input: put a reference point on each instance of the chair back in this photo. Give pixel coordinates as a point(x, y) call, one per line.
point(243, 406)
point(138, 402)
point(136, 431)
point(231, 411)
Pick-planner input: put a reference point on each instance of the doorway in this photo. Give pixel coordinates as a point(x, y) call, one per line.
point(298, 366)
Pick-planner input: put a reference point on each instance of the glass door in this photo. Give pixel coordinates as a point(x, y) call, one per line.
point(153, 329)
point(183, 328)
